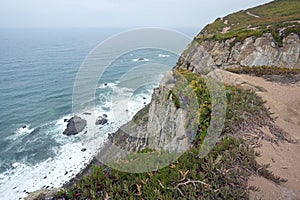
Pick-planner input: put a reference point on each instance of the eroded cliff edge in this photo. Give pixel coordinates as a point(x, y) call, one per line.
point(203, 56)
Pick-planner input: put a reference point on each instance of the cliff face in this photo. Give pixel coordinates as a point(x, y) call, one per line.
point(262, 51)
point(162, 124)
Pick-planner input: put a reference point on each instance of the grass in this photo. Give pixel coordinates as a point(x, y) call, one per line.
point(142, 115)
point(222, 174)
point(278, 17)
point(264, 70)
point(175, 99)
point(270, 73)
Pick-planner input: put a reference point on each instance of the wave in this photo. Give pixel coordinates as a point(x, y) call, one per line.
point(20, 132)
point(163, 55)
point(106, 85)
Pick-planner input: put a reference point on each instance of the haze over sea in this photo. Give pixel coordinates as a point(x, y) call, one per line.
point(37, 71)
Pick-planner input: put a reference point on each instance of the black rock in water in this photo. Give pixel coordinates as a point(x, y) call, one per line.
point(101, 121)
point(83, 150)
point(65, 120)
point(75, 126)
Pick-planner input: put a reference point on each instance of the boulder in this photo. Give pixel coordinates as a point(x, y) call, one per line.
point(101, 120)
point(75, 126)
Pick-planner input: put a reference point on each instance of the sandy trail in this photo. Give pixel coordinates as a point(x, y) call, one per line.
point(284, 102)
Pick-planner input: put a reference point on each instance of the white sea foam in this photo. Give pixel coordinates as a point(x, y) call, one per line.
point(20, 132)
point(54, 172)
point(24, 130)
point(163, 55)
point(105, 85)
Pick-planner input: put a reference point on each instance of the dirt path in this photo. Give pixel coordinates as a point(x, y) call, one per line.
point(284, 102)
point(249, 13)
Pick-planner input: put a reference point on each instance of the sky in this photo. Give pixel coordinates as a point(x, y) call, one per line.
point(116, 13)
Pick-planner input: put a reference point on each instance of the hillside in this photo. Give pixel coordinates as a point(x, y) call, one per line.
point(280, 17)
point(261, 41)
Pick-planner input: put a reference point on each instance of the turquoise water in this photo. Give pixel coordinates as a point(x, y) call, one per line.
point(37, 72)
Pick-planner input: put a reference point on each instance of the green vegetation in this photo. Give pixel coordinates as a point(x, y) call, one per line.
point(142, 115)
point(279, 17)
point(199, 87)
point(174, 98)
point(222, 174)
point(270, 73)
point(264, 70)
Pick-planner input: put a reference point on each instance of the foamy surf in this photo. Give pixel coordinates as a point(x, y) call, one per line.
point(76, 151)
point(24, 130)
point(107, 85)
point(70, 159)
point(163, 55)
point(20, 132)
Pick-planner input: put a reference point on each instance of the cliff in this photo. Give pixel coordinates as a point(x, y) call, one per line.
point(266, 35)
point(252, 51)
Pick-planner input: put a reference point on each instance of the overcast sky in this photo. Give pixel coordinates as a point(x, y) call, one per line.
point(117, 13)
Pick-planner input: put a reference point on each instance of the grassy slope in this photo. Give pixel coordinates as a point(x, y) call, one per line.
point(272, 17)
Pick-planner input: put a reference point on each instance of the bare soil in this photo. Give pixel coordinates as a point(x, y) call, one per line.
point(284, 156)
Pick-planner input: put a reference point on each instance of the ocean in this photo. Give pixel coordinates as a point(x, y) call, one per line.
point(38, 68)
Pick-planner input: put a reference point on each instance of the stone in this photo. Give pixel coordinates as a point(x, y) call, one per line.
point(226, 77)
point(101, 121)
point(261, 51)
point(75, 126)
point(43, 194)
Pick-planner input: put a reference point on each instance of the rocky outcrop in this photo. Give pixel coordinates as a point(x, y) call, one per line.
point(43, 194)
point(101, 120)
point(160, 125)
point(75, 126)
point(203, 57)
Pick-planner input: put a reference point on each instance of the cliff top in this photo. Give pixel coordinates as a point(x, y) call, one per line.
point(280, 17)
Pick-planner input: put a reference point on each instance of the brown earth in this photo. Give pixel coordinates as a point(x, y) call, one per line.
point(284, 101)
